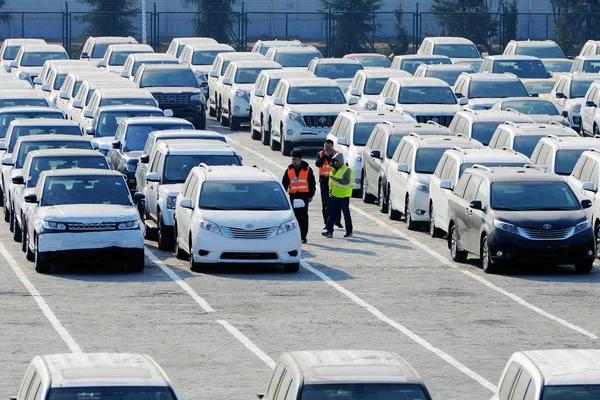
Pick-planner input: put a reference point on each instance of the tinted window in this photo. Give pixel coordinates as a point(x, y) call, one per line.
point(22, 131)
point(427, 160)
point(472, 188)
point(579, 88)
point(138, 64)
point(40, 164)
point(521, 68)
point(531, 106)
point(111, 393)
point(119, 57)
point(26, 147)
point(169, 78)
point(109, 120)
point(540, 51)
point(591, 66)
point(393, 143)
point(362, 132)
point(10, 53)
point(526, 143)
point(371, 61)
point(566, 160)
point(247, 75)
point(206, 57)
point(526, 196)
point(23, 102)
point(178, 167)
point(411, 65)
point(483, 131)
point(99, 50)
point(426, 95)
point(375, 85)
point(388, 391)
point(135, 101)
point(7, 118)
point(38, 58)
point(335, 70)
point(58, 82)
point(464, 166)
point(449, 77)
point(85, 190)
point(315, 95)
point(496, 89)
point(295, 59)
point(558, 65)
point(456, 50)
point(459, 190)
point(539, 87)
point(571, 392)
point(137, 134)
point(228, 195)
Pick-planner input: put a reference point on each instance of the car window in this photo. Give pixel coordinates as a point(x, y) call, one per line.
point(449, 171)
point(579, 166)
point(404, 154)
point(482, 194)
point(284, 386)
point(372, 138)
point(586, 172)
point(194, 190)
point(595, 176)
point(472, 188)
point(521, 385)
point(459, 190)
point(34, 388)
point(440, 166)
point(398, 152)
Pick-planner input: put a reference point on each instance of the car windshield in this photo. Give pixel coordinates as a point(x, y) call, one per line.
point(540, 51)
point(85, 189)
point(111, 393)
point(531, 106)
point(137, 134)
point(224, 66)
point(179, 49)
point(27, 147)
point(483, 131)
point(373, 61)
point(579, 88)
point(464, 166)
point(169, 78)
point(558, 65)
point(178, 167)
point(206, 57)
point(362, 132)
point(426, 95)
point(375, 85)
point(295, 59)
point(521, 68)
point(411, 64)
point(23, 102)
point(427, 160)
point(226, 195)
point(315, 95)
point(107, 121)
point(496, 89)
point(525, 144)
point(21, 131)
point(76, 87)
point(99, 50)
point(10, 53)
point(58, 82)
point(539, 87)
point(336, 70)
point(247, 75)
point(41, 164)
point(137, 65)
point(8, 117)
point(456, 50)
point(449, 77)
point(118, 58)
point(475, 64)
point(38, 58)
point(273, 82)
point(367, 391)
point(565, 160)
point(571, 392)
point(133, 101)
point(528, 196)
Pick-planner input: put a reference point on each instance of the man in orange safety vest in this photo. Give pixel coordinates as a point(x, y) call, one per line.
point(299, 181)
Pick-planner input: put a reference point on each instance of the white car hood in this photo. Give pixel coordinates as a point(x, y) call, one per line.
point(243, 218)
point(423, 178)
point(104, 142)
point(546, 119)
point(318, 109)
point(483, 102)
point(31, 71)
point(570, 103)
point(246, 87)
point(429, 109)
point(90, 213)
point(171, 189)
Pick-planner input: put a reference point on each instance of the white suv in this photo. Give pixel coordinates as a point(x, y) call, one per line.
point(524, 137)
point(590, 111)
point(303, 112)
point(235, 215)
point(560, 154)
point(367, 85)
point(568, 95)
point(483, 90)
point(410, 169)
point(585, 182)
point(293, 57)
point(450, 168)
point(83, 213)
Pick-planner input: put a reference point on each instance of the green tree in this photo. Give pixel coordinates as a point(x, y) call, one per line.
point(355, 24)
point(399, 43)
point(471, 19)
point(4, 16)
point(214, 19)
point(109, 17)
point(510, 20)
point(573, 24)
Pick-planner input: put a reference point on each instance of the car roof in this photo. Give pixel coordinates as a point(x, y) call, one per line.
point(536, 128)
point(589, 57)
point(130, 46)
point(23, 41)
point(447, 67)
point(288, 73)
point(239, 174)
point(158, 67)
point(189, 40)
point(352, 366)
point(377, 72)
point(118, 83)
point(53, 138)
point(113, 39)
point(582, 76)
point(256, 64)
point(128, 108)
point(81, 171)
point(64, 152)
point(566, 366)
point(494, 116)
point(29, 109)
point(241, 55)
point(104, 369)
point(572, 142)
point(43, 122)
point(152, 56)
point(378, 116)
point(523, 98)
point(66, 68)
point(85, 74)
point(420, 82)
point(154, 120)
point(43, 47)
point(479, 76)
point(449, 40)
point(502, 57)
point(295, 49)
point(365, 55)
point(166, 132)
point(199, 146)
point(507, 174)
point(487, 154)
point(210, 46)
point(437, 141)
point(333, 60)
point(282, 42)
point(429, 128)
point(21, 94)
point(295, 82)
point(123, 92)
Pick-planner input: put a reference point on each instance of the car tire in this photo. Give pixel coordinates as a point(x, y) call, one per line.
point(17, 231)
point(194, 266)
point(584, 267)
point(6, 211)
point(254, 134)
point(287, 147)
point(137, 262)
point(597, 236)
point(382, 199)
point(180, 254)
point(224, 121)
point(434, 231)
point(42, 266)
point(201, 122)
point(11, 220)
point(595, 130)
point(164, 236)
point(1, 198)
point(29, 255)
point(23, 235)
point(366, 197)
point(456, 254)
point(265, 134)
point(392, 214)
point(487, 264)
point(410, 224)
point(291, 267)
point(212, 112)
point(234, 123)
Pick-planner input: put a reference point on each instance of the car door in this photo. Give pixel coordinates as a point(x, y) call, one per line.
point(470, 234)
point(344, 132)
point(185, 216)
point(152, 188)
point(276, 113)
point(256, 101)
point(372, 165)
point(458, 205)
point(393, 175)
point(404, 177)
point(588, 109)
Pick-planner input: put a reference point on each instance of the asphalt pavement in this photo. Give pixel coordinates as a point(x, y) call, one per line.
point(217, 334)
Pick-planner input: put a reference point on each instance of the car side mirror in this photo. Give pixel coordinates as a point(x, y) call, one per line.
point(85, 56)
point(565, 114)
point(403, 168)
point(560, 95)
point(446, 184)
point(352, 100)
point(13, 64)
point(586, 203)
point(459, 95)
point(277, 101)
point(463, 101)
point(186, 203)
point(145, 159)
point(376, 154)
point(590, 104)
point(116, 144)
point(63, 95)
point(138, 197)
point(87, 113)
point(354, 92)
point(89, 130)
point(77, 104)
point(18, 180)
point(258, 395)
point(124, 74)
point(37, 80)
point(213, 74)
point(485, 54)
point(168, 113)
point(342, 141)
point(7, 160)
point(226, 81)
point(587, 186)
point(388, 101)
point(476, 205)
point(46, 87)
point(258, 93)
point(534, 95)
point(152, 177)
point(101, 63)
point(31, 198)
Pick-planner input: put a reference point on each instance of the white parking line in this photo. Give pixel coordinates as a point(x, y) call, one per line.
point(441, 258)
point(248, 343)
point(48, 313)
point(177, 279)
point(405, 331)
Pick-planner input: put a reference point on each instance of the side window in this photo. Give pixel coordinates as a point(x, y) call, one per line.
point(544, 150)
point(440, 166)
point(410, 159)
point(336, 126)
point(275, 380)
point(372, 138)
point(187, 186)
point(383, 143)
point(377, 141)
point(34, 388)
point(398, 152)
point(446, 172)
point(154, 166)
point(453, 174)
point(494, 140)
point(595, 176)
point(343, 128)
point(460, 125)
point(195, 190)
point(472, 188)
point(284, 386)
point(459, 190)
point(404, 154)
point(578, 167)
point(536, 153)
point(460, 86)
point(549, 158)
point(591, 94)
point(523, 382)
point(482, 194)
point(586, 172)
point(560, 86)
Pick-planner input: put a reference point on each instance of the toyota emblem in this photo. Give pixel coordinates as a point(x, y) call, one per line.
point(249, 226)
point(322, 120)
point(171, 99)
point(547, 226)
point(435, 119)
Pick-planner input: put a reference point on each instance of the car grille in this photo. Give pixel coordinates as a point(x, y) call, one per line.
point(546, 234)
point(172, 99)
point(248, 256)
point(91, 227)
point(238, 233)
point(319, 121)
point(440, 119)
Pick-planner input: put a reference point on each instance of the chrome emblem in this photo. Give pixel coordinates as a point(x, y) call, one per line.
point(171, 99)
point(547, 226)
point(322, 120)
point(435, 119)
point(249, 226)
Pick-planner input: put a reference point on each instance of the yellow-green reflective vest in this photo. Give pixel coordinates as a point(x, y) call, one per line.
point(337, 189)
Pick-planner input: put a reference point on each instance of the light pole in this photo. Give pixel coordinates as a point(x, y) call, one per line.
point(143, 21)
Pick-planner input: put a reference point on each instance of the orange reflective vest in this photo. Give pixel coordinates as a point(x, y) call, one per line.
point(298, 184)
point(325, 169)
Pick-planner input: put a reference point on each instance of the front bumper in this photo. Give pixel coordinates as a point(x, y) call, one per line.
point(109, 254)
point(240, 108)
point(70, 241)
point(284, 248)
point(519, 249)
point(419, 205)
point(192, 113)
point(300, 134)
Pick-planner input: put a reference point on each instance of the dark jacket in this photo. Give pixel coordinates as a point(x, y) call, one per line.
point(321, 160)
point(312, 187)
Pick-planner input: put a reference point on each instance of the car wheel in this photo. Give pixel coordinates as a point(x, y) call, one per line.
point(11, 220)
point(366, 197)
point(292, 267)
point(164, 235)
point(433, 230)
point(235, 123)
point(194, 266)
point(224, 121)
point(1, 198)
point(265, 134)
point(383, 200)
point(287, 147)
point(275, 146)
point(212, 112)
point(180, 254)
point(42, 266)
point(595, 130)
point(410, 224)
point(24, 236)
point(137, 262)
point(392, 214)
point(584, 267)
point(29, 255)
point(201, 122)
point(597, 233)
point(6, 211)
point(456, 254)
point(487, 264)
point(17, 231)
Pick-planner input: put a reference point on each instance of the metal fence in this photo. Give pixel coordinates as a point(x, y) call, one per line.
point(319, 28)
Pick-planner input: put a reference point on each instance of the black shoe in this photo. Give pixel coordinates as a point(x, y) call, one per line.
point(325, 227)
point(339, 225)
point(304, 241)
point(327, 234)
point(348, 234)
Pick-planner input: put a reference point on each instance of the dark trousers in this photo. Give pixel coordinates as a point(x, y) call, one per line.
point(336, 206)
point(302, 217)
point(324, 187)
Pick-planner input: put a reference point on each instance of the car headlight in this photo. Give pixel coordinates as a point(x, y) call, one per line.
point(53, 226)
point(357, 157)
point(196, 97)
point(582, 226)
point(287, 226)
point(506, 227)
point(422, 187)
point(131, 165)
point(211, 227)
point(23, 76)
point(294, 116)
point(242, 94)
point(171, 201)
point(370, 106)
point(128, 225)
point(577, 108)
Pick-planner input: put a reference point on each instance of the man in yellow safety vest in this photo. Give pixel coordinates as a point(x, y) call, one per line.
point(340, 191)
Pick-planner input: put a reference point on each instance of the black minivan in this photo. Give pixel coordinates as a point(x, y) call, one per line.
point(517, 215)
